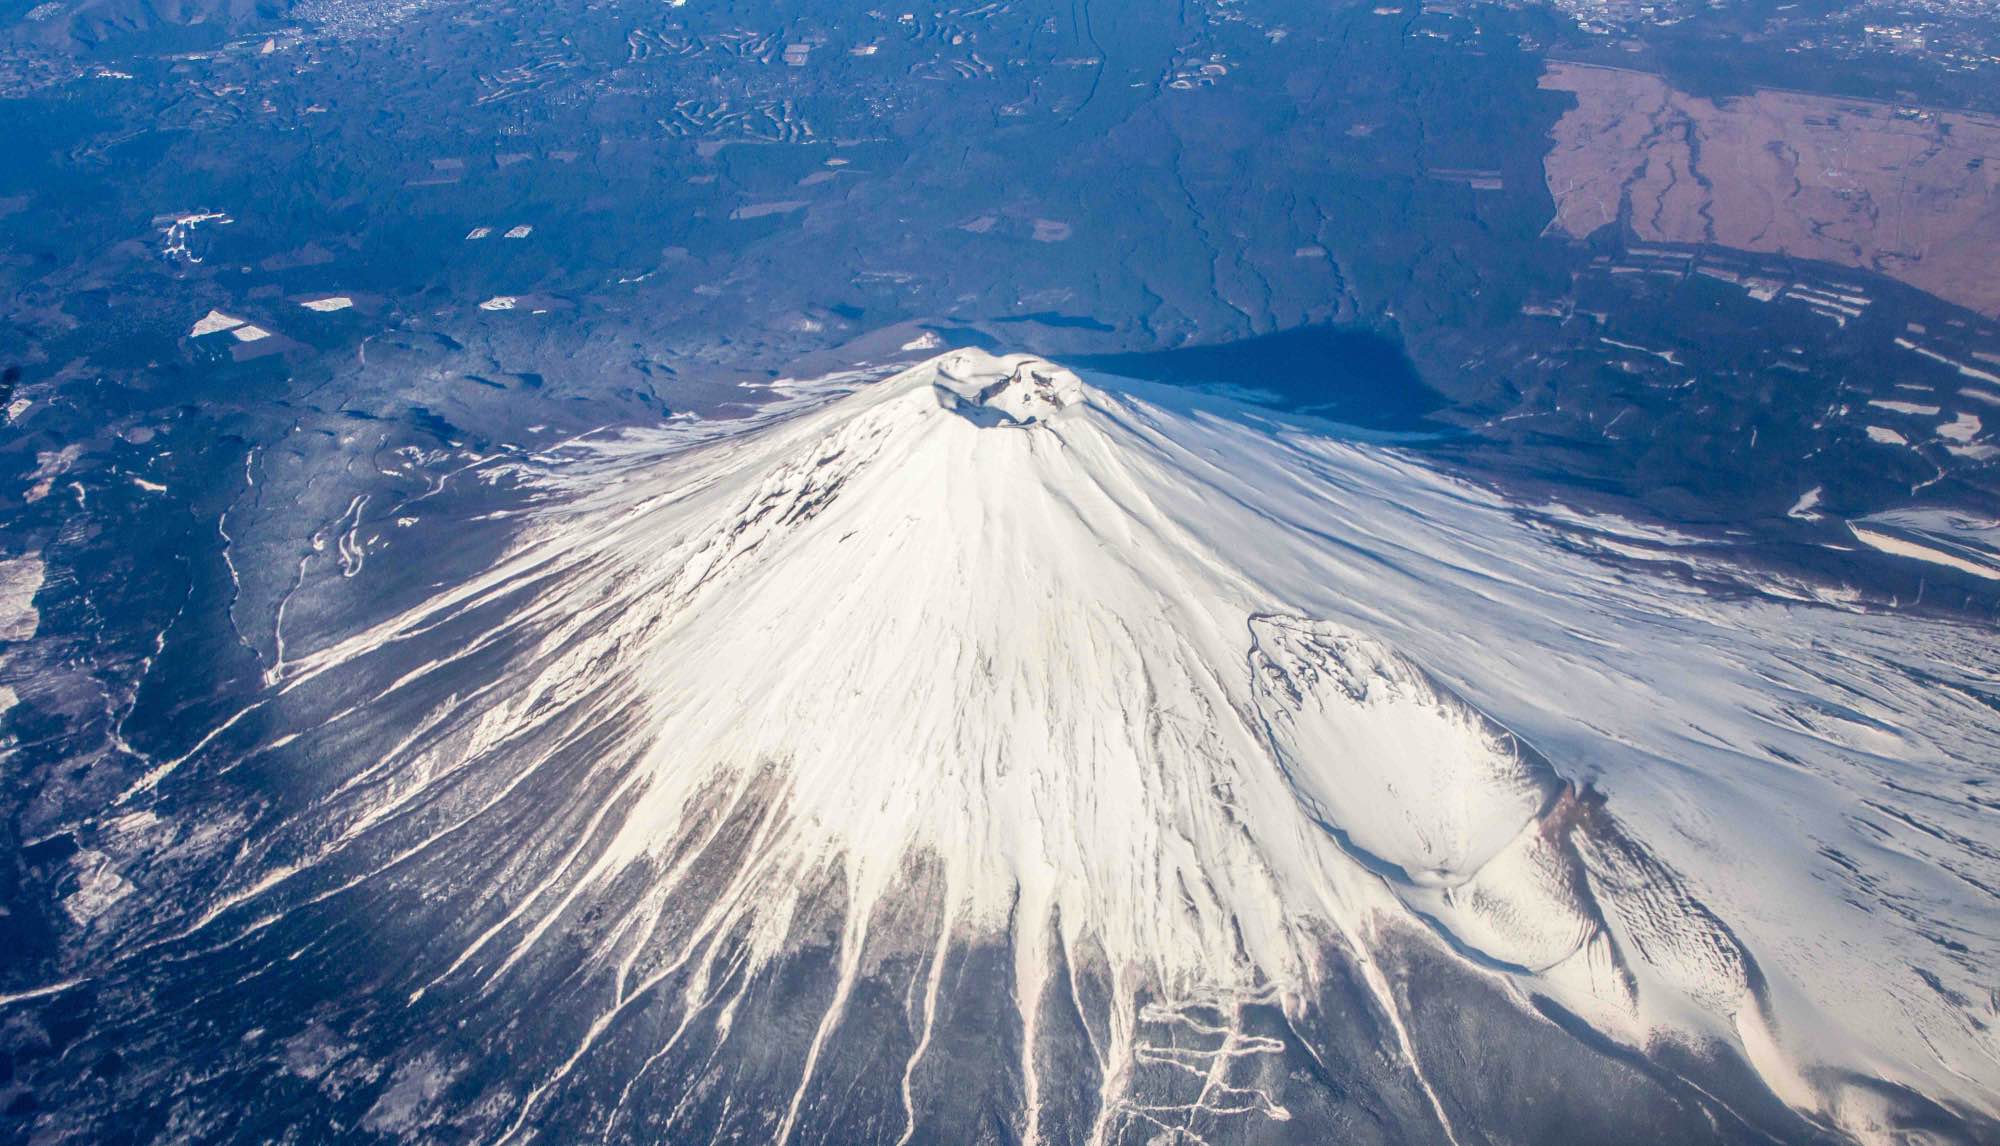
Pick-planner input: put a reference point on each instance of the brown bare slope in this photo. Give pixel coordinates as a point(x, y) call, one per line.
point(1911, 193)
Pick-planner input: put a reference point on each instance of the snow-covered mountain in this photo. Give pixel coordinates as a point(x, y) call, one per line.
point(985, 755)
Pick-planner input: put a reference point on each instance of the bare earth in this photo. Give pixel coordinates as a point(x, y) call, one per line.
point(1913, 194)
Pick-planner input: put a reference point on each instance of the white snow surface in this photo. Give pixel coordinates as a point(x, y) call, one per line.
point(20, 579)
point(1205, 690)
point(1959, 541)
point(214, 322)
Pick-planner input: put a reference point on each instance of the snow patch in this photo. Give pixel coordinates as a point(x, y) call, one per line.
point(1897, 406)
point(20, 579)
point(1808, 501)
point(214, 322)
point(1963, 428)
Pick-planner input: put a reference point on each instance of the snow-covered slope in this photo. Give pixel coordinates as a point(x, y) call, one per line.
point(1159, 722)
